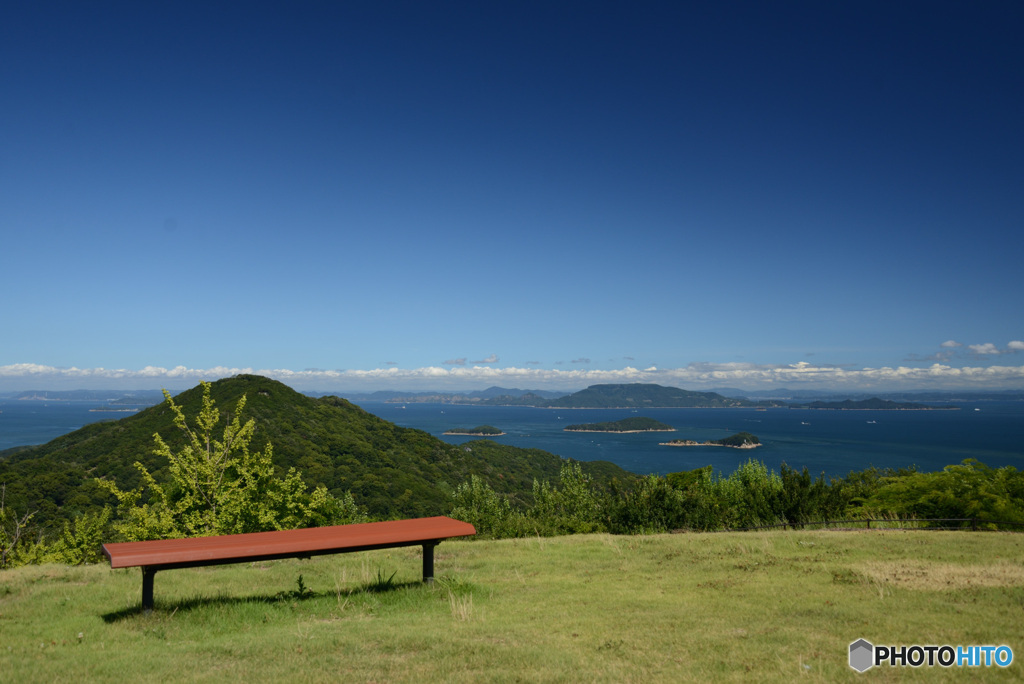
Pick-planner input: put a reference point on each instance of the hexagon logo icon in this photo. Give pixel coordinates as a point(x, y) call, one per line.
point(862, 655)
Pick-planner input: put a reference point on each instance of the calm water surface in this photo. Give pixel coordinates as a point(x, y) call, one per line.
point(833, 442)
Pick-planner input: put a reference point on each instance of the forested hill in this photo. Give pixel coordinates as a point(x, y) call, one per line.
point(392, 471)
point(640, 395)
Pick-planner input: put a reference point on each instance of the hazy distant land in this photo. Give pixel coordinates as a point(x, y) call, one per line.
point(873, 404)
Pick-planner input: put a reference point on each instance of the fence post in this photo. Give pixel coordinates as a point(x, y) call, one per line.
point(869, 523)
point(974, 524)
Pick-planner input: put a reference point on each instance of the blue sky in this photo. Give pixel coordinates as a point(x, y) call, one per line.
point(405, 195)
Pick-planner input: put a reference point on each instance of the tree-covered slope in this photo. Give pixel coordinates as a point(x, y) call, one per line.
point(392, 471)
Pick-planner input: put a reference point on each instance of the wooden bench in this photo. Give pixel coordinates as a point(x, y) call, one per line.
point(168, 554)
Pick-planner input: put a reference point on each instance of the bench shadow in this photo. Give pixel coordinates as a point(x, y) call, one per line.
point(281, 597)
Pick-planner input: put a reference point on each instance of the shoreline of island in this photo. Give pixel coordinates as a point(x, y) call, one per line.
point(619, 432)
point(474, 434)
point(690, 442)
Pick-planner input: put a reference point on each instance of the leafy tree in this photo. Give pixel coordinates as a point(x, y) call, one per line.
point(968, 490)
point(13, 531)
point(574, 507)
point(652, 505)
point(490, 513)
point(219, 486)
point(80, 541)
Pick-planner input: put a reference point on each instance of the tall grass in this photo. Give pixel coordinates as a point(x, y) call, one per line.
point(761, 606)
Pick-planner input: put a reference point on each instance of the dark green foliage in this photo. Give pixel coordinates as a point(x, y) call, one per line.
point(804, 500)
point(573, 507)
point(751, 496)
point(652, 505)
point(490, 513)
point(968, 490)
point(688, 478)
point(635, 424)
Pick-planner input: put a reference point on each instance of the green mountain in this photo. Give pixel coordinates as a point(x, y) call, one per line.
point(392, 471)
point(640, 395)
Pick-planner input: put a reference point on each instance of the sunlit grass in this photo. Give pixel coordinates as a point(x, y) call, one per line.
point(764, 606)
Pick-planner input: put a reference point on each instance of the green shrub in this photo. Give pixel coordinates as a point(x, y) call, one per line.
point(220, 486)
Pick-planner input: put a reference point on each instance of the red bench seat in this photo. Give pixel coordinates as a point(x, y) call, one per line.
point(168, 554)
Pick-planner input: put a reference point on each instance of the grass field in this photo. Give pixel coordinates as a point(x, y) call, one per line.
point(772, 606)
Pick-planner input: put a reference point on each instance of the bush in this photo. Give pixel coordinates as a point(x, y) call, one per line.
point(219, 486)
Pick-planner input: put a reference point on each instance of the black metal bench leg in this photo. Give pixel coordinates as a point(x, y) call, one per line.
point(428, 562)
point(147, 588)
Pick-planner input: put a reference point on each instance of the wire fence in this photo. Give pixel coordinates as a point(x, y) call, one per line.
point(972, 524)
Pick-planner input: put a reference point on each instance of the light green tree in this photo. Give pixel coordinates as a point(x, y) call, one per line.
point(13, 530)
point(220, 486)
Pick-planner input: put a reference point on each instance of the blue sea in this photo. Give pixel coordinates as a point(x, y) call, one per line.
point(830, 442)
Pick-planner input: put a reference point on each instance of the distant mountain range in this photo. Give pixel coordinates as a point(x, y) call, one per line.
point(475, 397)
point(646, 395)
point(501, 396)
point(873, 404)
point(642, 395)
point(123, 397)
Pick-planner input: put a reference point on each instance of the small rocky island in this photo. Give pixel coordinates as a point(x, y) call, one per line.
point(637, 424)
point(478, 431)
point(741, 440)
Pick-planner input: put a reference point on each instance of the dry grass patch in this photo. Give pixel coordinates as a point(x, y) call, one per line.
point(931, 576)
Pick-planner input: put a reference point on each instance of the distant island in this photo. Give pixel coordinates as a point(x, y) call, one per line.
point(478, 431)
point(873, 404)
point(646, 395)
point(741, 440)
point(635, 424)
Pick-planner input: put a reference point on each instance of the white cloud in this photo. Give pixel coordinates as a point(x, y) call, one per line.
point(493, 358)
point(951, 343)
point(28, 376)
point(1015, 346)
point(984, 349)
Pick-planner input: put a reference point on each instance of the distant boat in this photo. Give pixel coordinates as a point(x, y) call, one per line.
point(802, 422)
point(872, 422)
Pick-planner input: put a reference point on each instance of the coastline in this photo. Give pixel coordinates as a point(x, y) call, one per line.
point(690, 442)
point(474, 434)
point(617, 432)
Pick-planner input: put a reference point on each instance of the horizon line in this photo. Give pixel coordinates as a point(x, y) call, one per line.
point(742, 376)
